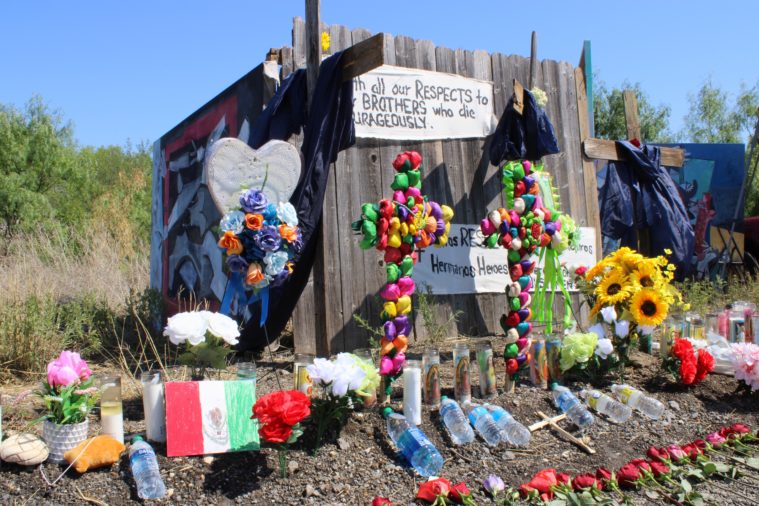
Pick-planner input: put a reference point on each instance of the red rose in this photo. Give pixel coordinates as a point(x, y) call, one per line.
point(580, 271)
point(629, 475)
point(381, 501)
point(739, 428)
point(682, 348)
point(657, 454)
point(586, 481)
point(285, 406)
point(563, 478)
point(641, 464)
point(604, 475)
point(430, 490)
point(459, 492)
point(688, 370)
point(275, 432)
point(659, 469)
point(695, 448)
point(542, 482)
point(705, 365)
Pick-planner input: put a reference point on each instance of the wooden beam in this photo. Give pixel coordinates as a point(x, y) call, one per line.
point(518, 97)
point(570, 437)
point(365, 56)
point(533, 60)
point(313, 45)
point(588, 167)
point(632, 121)
point(539, 425)
point(602, 149)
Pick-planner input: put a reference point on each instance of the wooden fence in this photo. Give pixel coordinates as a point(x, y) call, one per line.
point(346, 280)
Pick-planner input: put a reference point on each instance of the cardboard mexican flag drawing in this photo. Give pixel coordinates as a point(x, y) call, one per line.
point(205, 417)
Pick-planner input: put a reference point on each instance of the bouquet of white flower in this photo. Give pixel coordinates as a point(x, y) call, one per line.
point(205, 336)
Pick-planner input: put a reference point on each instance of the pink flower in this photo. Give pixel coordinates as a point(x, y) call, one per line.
point(715, 439)
point(67, 369)
point(676, 452)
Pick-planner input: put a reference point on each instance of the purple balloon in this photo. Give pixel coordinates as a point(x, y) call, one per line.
point(390, 330)
point(435, 210)
point(402, 325)
point(402, 213)
point(440, 230)
point(550, 228)
point(521, 358)
point(528, 182)
point(523, 314)
point(526, 264)
point(505, 227)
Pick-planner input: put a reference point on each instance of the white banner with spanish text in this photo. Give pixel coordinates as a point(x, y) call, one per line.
point(411, 104)
point(464, 265)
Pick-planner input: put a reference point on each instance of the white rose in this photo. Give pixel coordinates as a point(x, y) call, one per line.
point(598, 329)
point(604, 348)
point(322, 371)
point(224, 327)
point(609, 314)
point(647, 330)
point(622, 328)
point(190, 326)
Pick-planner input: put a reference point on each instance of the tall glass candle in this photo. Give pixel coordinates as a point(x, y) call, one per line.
point(487, 371)
point(431, 372)
point(412, 391)
point(153, 405)
point(538, 362)
point(301, 379)
point(111, 410)
point(462, 385)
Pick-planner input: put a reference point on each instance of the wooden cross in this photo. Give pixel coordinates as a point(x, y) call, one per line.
point(553, 423)
point(358, 59)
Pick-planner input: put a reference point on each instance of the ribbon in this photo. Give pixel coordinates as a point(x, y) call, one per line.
point(554, 280)
point(235, 291)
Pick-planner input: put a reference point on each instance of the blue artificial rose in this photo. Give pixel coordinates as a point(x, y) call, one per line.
point(233, 222)
point(286, 212)
point(270, 215)
point(253, 201)
point(280, 278)
point(275, 262)
point(236, 263)
point(297, 245)
point(268, 238)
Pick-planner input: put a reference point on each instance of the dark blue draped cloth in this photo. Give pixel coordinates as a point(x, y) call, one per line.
point(639, 194)
point(528, 136)
point(328, 129)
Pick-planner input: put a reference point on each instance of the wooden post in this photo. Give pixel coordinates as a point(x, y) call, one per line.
point(313, 45)
point(632, 121)
point(533, 60)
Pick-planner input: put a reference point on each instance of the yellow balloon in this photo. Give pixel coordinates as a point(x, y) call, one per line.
point(442, 240)
point(395, 224)
point(447, 228)
point(394, 240)
point(390, 309)
point(447, 213)
point(404, 229)
point(412, 229)
point(404, 304)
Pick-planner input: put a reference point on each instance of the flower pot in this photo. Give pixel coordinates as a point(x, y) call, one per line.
point(62, 438)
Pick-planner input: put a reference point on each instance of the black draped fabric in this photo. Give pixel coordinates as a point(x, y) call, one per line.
point(639, 193)
point(328, 129)
point(528, 136)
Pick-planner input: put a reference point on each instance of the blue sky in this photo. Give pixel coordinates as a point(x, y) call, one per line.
point(132, 70)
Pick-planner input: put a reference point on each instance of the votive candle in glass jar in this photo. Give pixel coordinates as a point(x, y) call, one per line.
point(153, 405)
point(301, 379)
point(486, 369)
point(431, 376)
point(462, 385)
point(111, 409)
point(412, 391)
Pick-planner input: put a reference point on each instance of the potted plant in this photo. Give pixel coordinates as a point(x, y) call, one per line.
point(69, 396)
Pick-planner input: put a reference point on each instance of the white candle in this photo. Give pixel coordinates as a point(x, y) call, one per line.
point(412, 391)
point(112, 420)
point(153, 404)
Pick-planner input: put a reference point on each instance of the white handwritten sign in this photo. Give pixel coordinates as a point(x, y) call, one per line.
point(411, 104)
point(464, 265)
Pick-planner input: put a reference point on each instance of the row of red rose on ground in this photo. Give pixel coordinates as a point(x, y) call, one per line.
point(656, 472)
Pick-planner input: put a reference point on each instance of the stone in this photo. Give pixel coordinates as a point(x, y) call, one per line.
point(24, 450)
point(343, 444)
point(292, 466)
point(208, 459)
point(311, 491)
point(674, 405)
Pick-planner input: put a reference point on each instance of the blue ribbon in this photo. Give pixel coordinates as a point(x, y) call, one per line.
point(236, 291)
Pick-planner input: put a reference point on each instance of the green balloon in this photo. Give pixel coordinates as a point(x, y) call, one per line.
point(514, 304)
point(366, 243)
point(369, 229)
point(491, 241)
point(369, 212)
point(408, 239)
point(414, 177)
point(400, 182)
point(410, 202)
point(407, 265)
point(514, 256)
point(393, 273)
point(518, 172)
point(511, 350)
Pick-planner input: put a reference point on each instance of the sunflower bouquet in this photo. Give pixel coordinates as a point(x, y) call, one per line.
point(635, 287)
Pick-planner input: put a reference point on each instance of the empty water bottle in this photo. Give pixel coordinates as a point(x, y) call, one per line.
point(568, 403)
point(455, 421)
point(514, 432)
point(145, 471)
point(413, 444)
point(483, 423)
point(602, 403)
point(638, 400)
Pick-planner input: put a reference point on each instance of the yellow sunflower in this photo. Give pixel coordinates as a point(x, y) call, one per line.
point(594, 311)
point(631, 260)
point(646, 274)
point(615, 287)
point(648, 307)
point(620, 254)
point(595, 271)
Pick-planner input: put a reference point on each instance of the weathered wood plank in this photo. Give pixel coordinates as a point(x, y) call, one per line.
point(299, 42)
point(602, 149)
point(313, 45)
point(632, 121)
point(364, 56)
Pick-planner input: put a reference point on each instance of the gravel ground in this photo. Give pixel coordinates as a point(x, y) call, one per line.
point(362, 462)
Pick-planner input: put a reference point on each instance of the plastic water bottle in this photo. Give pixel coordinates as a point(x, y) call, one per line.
point(638, 400)
point(515, 433)
point(602, 403)
point(145, 471)
point(566, 401)
point(413, 444)
point(455, 421)
point(483, 423)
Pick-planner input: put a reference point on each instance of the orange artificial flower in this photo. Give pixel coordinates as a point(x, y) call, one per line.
point(254, 221)
point(232, 244)
point(255, 274)
point(288, 233)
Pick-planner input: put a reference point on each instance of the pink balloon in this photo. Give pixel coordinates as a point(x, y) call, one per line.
point(406, 285)
point(386, 365)
point(390, 292)
point(487, 227)
point(413, 192)
point(398, 361)
point(399, 197)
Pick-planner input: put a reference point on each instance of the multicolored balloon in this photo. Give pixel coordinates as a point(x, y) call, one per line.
point(401, 226)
